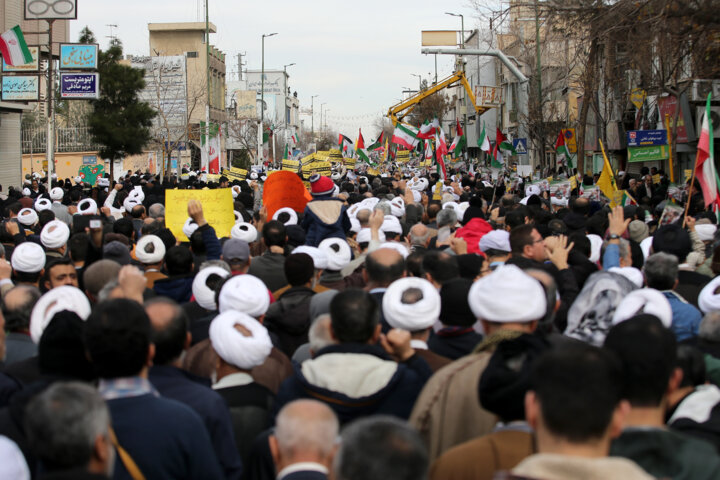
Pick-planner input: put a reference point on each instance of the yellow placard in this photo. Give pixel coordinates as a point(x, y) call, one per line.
point(656, 178)
point(688, 174)
point(290, 165)
point(573, 182)
point(350, 163)
point(236, 173)
point(308, 159)
point(217, 207)
point(437, 194)
point(212, 177)
point(322, 168)
point(570, 141)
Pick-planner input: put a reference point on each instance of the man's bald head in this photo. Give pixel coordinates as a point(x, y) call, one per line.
point(419, 235)
point(170, 326)
point(18, 304)
point(307, 427)
point(98, 275)
point(384, 266)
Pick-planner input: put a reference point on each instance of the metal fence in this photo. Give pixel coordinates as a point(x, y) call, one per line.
point(66, 140)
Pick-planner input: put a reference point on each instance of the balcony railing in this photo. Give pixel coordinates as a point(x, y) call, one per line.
point(79, 139)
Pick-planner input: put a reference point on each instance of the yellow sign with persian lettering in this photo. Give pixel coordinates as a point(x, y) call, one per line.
point(217, 208)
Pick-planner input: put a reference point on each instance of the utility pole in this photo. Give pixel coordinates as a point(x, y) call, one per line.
point(262, 96)
point(50, 92)
point(461, 66)
point(539, 82)
point(240, 64)
point(312, 117)
point(207, 79)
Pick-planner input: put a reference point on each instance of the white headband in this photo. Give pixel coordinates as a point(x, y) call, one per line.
point(27, 216)
point(411, 316)
point(55, 301)
point(158, 249)
point(54, 234)
point(204, 295)
point(244, 293)
point(234, 347)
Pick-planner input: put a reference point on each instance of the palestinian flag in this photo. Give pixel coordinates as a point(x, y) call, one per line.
point(562, 151)
point(428, 129)
point(14, 49)
point(497, 158)
point(483, 141)
point(405, 135)
point(458, 142)
point(377, 143)
point(705, 161)
point(345, 145)
point(440, 151)
point(360, 148)
point(504, 143)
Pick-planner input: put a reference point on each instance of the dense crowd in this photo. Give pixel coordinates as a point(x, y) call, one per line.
point(400, 327)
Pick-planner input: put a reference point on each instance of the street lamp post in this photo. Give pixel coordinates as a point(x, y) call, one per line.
point(419, 80)
point(326, 112)
point(321, 115)
point(312, 117)
point(461, 63)
point(262, 95)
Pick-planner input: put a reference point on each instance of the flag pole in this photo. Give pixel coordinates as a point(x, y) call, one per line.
point(692, 183)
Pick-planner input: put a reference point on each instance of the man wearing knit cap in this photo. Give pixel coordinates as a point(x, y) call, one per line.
point(508, 302)
point(457, 337)
point(324, 216)
point(150, 252)
point(413, 304)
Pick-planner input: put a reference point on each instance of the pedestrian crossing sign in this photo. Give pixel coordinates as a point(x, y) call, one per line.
point(520, 145)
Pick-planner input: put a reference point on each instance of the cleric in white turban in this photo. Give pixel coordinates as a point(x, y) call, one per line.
point(244, 293)
point(54, 301)
point(54, 236)
point(240, 341)
point(644, 301)
point(203, 285)
point(28, 261)
point(709, 298)
point(244, 231)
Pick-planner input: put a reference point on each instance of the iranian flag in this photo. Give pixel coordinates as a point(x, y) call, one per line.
point(428, 129)
point(562, 151)
point(428, 151)
point(440, 151)
point(458, 142)
point(13, 47)
point(285, 155)
point(210, 151)
point(705, 161)
point(405, 135)
point(360, 148)
point(294, 139)
point(377, 143)
point(483, 141)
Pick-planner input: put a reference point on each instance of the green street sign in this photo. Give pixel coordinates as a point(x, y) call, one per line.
point(648, 154)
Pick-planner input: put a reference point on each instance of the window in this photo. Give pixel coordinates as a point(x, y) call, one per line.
point(192, 54)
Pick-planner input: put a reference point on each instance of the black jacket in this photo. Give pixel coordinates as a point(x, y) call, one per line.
point(289, 318)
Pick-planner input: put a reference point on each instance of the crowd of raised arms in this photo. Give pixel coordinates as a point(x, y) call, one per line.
point(398, 326)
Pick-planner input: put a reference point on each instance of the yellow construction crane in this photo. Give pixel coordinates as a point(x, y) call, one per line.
point(398, 111)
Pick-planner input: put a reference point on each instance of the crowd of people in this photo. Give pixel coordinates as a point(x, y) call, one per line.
point(401, 327)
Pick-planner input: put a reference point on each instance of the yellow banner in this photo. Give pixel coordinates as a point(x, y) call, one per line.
point(236, 173)
point(373, 171)
point(290, 165)
point(308, 159)
point(350, 163)
point(217, 207)
point(688, 174)
point(322, 168)
point(212, 177)
point(322, 155)
point(335, 156)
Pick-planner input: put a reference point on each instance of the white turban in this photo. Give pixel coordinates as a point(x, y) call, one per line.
point(244, 231)
point(705, 232)
point(87, 206)
point(337, 251)
point(55, 301)
point(708, 300)
point(355, 225)
point(137, 194)
point(365, 235)
point(596, 243)
point(631, 273)
point(370, 203)
point(27, 216)
point(398, 247)
point(320, 259)
point(244, 293)
point(234, 347)
point(78, 179)
point(158, 249)
point(131, 203)
point(236, 191)
point(54, 234)
point(189, 227)
point(253, 175)
point(644, 300)
point(507, 295)
point(204, 295)
point(238, 216)
point(42, 204)
point(293, 220)
point(645, 246)
point(411, 316)
point(397, 207)
point(28, 257)
point(26, 192)
point(391, 225)
point(57, 194)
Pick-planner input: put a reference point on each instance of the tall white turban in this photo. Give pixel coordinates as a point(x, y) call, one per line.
point(26, 192)
point(42, 204)
point(391, 225)
point(411, 316)
point(644, 300)
point(244, 231)
point(337, 251)
point(137, 194)
point(57, 194)
point(706, 232)
point(28, 257)
point(507, 295)
point(204, 295)
point(27, 216)
point(153, 243)
point(355, 225)
point(54, 234)
point(596, 243)
point(234, 347)
point(293, 220)
point(87, 206)
point(708, 300)
point(56, 300)
point(631, 273)
point(365, 235)
point(320, 259)
point(189, 227)
point(244, 293)
point(131, 203)
point(397, 207)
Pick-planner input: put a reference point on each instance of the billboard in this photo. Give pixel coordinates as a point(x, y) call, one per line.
point(78, 56)
point(645, 138)
point(33, 66)
point(245, 103)
point(166, 91)
point(274, 82)
point(439, 38)
point(79, 85)
point(50, 9)
point(21, 87)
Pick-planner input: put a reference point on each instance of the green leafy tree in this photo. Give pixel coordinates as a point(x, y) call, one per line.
point(120, 122)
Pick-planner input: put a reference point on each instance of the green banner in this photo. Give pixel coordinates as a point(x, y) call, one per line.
point(648, 154)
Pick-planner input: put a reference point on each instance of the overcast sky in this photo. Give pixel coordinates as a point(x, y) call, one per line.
point(357, 56)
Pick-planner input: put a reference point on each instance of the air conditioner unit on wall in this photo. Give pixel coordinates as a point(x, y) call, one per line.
point(714, 118)
point(700, 89)
point(716, 89)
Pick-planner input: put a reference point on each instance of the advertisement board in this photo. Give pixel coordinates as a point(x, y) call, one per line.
point(245, 103)
point(78, 56)
point(166, 91)
point(33, 66)
point(50, 9)
point(79, 85)
point(21, 87)
point(274, 82)
point(648, 154)
point(646, 138)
